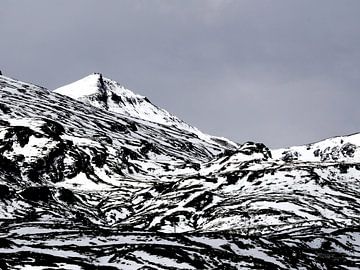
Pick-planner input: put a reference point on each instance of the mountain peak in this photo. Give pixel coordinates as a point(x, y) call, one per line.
point(107, 94)
point(86, 86)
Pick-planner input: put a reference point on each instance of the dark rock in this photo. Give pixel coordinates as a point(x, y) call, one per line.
point(67, 196)
point(348, 150)
point(4, 191)
point(19, 134)
point(289, 156)
point(41, 193)
point(4, 123)
point(52, 128)
point(5, 109)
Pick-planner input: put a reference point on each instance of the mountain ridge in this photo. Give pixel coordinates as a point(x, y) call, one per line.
point(83, 186)
point(105, 93)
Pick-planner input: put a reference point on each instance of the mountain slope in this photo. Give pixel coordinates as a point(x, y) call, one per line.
point(89, 186)
point(109, 95)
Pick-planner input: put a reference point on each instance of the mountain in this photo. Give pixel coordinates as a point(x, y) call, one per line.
point(93, 176)
point(109, 95)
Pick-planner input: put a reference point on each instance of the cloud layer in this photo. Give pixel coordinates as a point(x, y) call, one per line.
point(281, 72)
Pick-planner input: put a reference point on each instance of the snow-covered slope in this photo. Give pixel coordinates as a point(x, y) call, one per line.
point(109, 95)
point(92, 183)
point(337, 149)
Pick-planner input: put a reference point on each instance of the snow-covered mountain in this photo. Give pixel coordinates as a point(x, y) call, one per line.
point(93, 176)
point(111, 96)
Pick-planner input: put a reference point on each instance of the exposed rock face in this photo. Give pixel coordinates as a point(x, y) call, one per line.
point(96, 177)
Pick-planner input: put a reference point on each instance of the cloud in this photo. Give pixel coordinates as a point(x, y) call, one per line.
point(282, 72)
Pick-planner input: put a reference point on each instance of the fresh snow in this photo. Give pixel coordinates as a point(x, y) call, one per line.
point(81, 88)
point(124, 101)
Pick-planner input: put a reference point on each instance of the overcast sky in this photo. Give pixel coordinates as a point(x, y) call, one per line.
point(280, 72)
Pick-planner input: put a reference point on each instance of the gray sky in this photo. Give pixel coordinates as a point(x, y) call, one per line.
point(281, 72)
